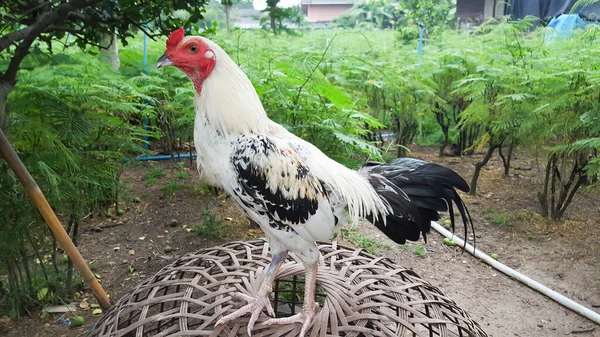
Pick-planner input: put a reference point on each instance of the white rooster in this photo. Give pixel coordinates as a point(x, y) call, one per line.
point(294, 192)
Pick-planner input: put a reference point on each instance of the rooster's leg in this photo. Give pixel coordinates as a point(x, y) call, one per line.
point(307, 315)
point(256, 304)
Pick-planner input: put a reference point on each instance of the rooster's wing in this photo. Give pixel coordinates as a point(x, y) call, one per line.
point(274, 183)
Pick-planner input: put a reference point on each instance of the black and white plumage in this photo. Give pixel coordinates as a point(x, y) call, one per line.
point(277, 181)
point(417, 191)
point(290, 188)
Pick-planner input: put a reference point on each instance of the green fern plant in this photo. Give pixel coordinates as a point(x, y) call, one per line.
point(69, 124)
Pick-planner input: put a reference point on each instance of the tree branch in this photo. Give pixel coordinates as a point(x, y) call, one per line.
point(30, 33)
point(27, 11)
point(54, 28)
point(141, 27)
point(78, 16)
point(567, 202)
point(44, 21)
point(94, 44)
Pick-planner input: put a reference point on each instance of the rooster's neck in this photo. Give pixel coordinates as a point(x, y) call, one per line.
point(227, 101)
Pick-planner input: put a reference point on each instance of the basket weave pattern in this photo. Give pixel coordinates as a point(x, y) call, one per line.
point(360, 295)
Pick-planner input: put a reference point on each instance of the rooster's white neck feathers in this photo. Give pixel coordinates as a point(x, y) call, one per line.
point(228, 100)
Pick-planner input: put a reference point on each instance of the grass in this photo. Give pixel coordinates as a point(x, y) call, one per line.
point(172, 187)
point(523, 215)
point(181, 175)
point(154, 173)
point(420, 251)
point(362, 241)
point(488, 213)
point(210, 227)
point(500, 220)
point(497, 218)
point(203, 189)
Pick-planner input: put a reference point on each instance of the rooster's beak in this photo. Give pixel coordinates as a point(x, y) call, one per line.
point(163, 61)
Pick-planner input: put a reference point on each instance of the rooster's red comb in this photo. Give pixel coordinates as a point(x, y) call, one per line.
point(175, 37)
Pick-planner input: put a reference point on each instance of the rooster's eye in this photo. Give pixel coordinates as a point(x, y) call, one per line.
point(194, 48)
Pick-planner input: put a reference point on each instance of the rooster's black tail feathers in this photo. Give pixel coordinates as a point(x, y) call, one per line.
point(416, 191)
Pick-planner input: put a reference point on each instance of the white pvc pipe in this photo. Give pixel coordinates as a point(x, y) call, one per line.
point(567, 302)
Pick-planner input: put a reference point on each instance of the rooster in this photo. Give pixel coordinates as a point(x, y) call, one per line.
point(290, 188)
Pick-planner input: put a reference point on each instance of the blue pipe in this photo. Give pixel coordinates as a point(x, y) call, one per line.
point(145, 72)
point(165, 157)
point(145, 52)
point(420, 46)
point(162, 157)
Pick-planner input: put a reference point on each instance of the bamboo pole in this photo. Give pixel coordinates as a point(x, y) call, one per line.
point(32, 188)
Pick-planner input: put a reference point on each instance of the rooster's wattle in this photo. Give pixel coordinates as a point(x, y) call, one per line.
point(290, 188)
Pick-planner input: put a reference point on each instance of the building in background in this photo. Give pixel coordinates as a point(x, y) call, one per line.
point(324, 11)
point(248, 18)
point(471, 13)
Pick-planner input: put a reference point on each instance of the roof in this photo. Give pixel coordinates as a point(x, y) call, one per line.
point(328, 2)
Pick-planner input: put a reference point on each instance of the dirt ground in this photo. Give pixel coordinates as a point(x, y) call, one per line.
point(565, 256)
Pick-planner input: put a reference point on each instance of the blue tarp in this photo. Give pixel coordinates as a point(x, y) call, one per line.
point(546, 9)
point(564, 25)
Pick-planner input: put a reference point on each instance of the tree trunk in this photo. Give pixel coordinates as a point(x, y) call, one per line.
point(110, 51)
point(444, 122)
point(478, 167)
point(5, 89)
point(467, 136)
point(227, 18)
point(561, 211)
point(74, 234)
point(506, 160)
point(568, 190)
point(400, 137)
point(13, 288)
point(510, 154)
point(37, 254)
point(461, 142)
point(401, 152)
point(25, 264)
point(272, 18)
point(543, 195)
point(445, 143)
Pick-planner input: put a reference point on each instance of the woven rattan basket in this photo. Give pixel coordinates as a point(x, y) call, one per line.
point(360, 295)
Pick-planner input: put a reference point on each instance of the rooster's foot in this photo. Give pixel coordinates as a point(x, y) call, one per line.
point(306, 318)
point(254, 307)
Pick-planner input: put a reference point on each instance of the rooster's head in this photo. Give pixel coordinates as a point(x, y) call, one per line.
point(191, 54)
